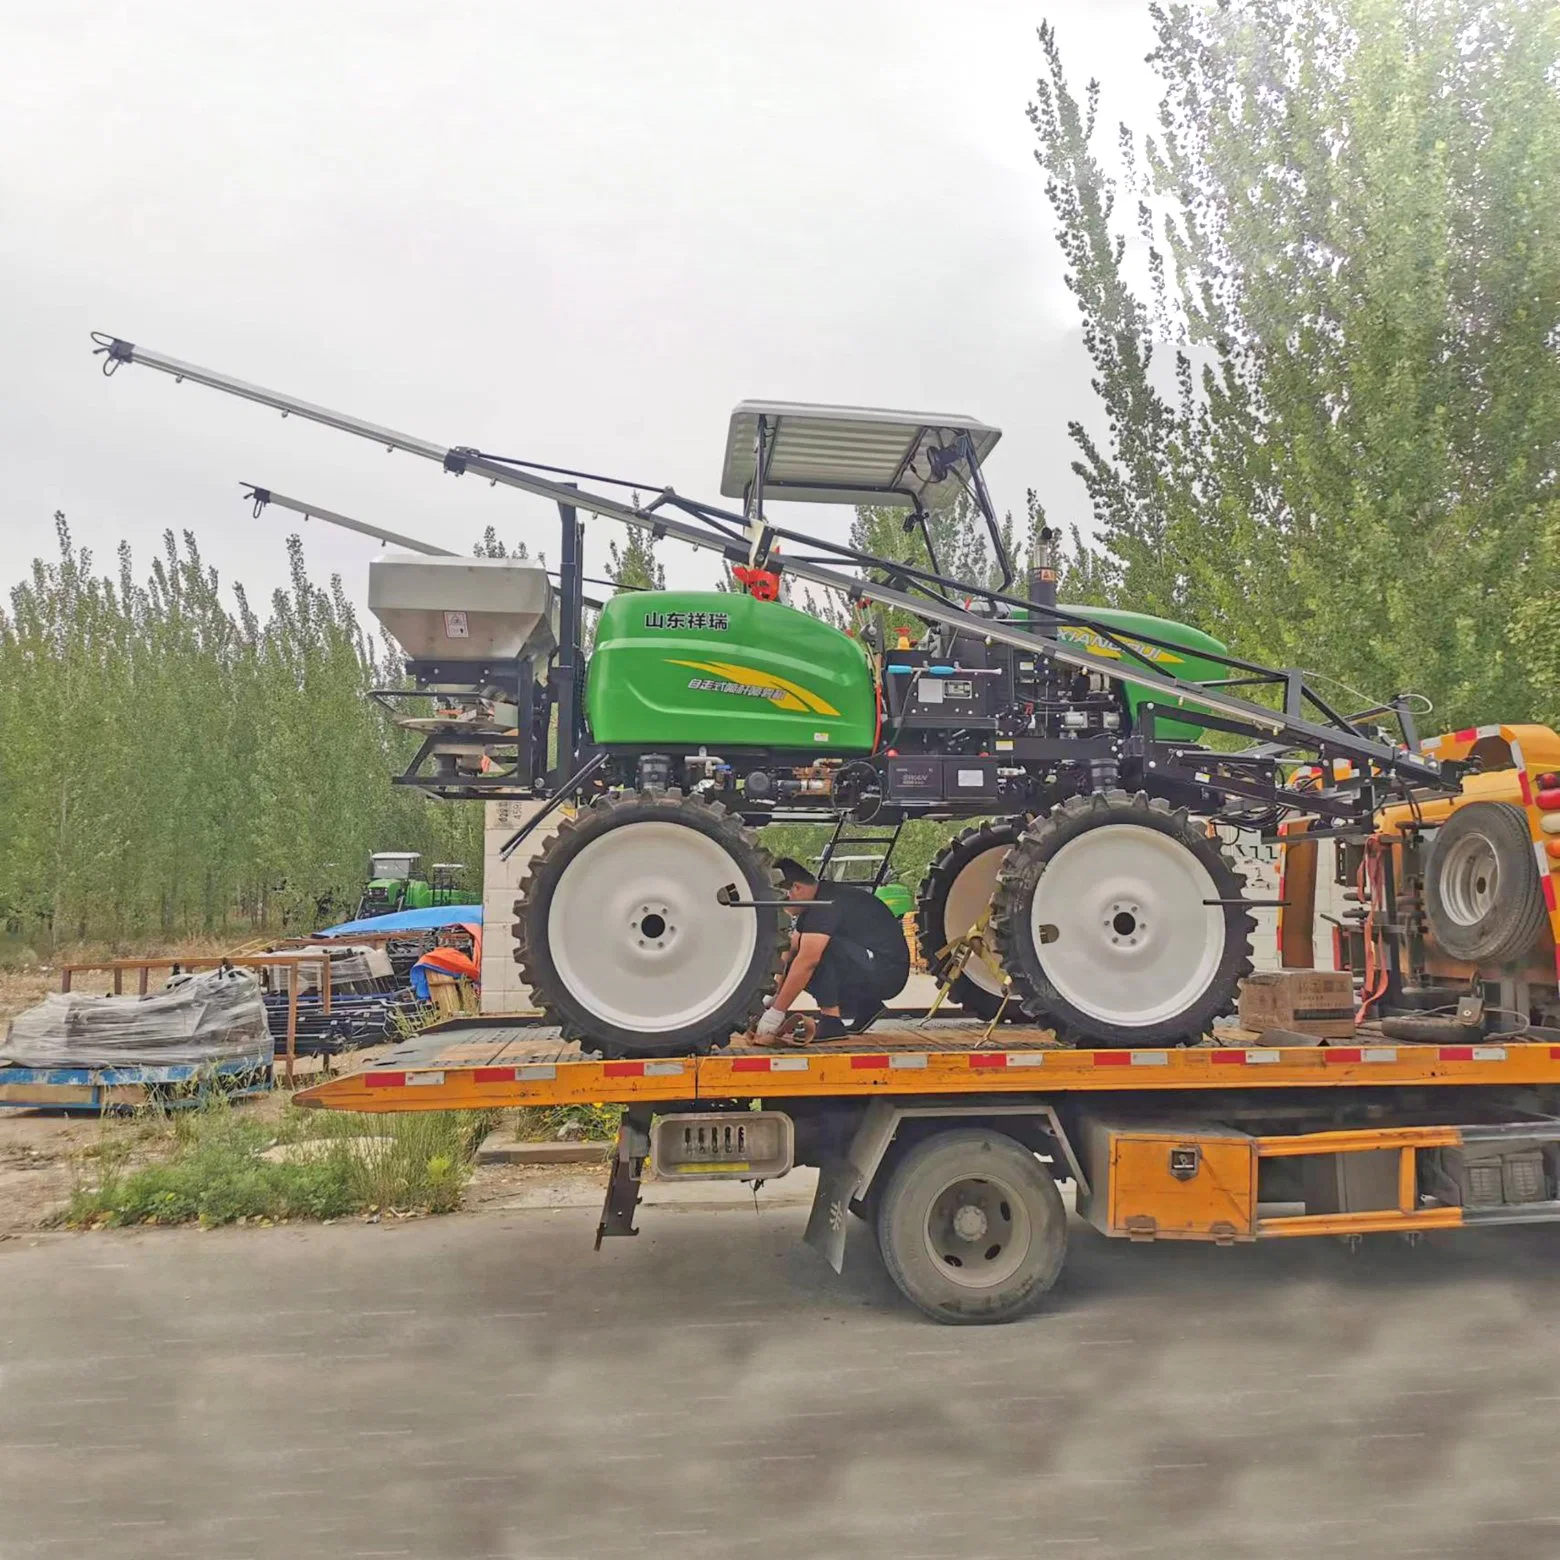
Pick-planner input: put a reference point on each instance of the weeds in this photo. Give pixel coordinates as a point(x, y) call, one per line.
point(587, 1123)
point(220, 1166)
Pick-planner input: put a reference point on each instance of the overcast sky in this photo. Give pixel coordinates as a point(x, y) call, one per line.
point(578, 233)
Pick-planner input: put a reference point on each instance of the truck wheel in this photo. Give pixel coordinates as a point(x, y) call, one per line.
point(1121, 922)
point(971, 1227)
point(957, 887)
point(623, 936)
point(1482, 894)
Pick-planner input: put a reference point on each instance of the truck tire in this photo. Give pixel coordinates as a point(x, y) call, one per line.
point(1482, 893)
point(621, 935)
point(1122, 923)
point(957, 887)
point(971, 1227)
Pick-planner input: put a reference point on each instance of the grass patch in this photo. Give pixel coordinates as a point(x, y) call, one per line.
point(216, 1167)
point(584, 1123)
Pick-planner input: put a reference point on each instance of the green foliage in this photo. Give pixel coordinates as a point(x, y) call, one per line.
point(1350, 235)
point(492, 547)
point(171, 763)
point(214, 1173)
point(634, 565)
point(589, 1123)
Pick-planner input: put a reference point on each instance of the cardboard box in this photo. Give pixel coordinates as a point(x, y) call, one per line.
point(1310, 1002)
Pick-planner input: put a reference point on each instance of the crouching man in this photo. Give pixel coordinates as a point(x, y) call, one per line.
point(848, 953)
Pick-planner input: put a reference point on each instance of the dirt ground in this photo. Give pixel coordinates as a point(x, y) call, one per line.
point(22, 987)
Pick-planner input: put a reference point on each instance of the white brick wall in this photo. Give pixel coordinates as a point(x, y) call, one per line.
point(502, 990)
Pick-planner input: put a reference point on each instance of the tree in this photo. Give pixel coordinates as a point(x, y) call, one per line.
point(492, 547)
point(1349, 235)
point(171, 763)
point(634, 565)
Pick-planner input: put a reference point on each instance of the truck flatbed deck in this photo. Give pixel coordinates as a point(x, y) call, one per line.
point(465, 1066)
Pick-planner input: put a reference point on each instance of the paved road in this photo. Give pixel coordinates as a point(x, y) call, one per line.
point(485, 1386)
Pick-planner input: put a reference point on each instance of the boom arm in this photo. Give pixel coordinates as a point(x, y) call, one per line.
point(263, 496)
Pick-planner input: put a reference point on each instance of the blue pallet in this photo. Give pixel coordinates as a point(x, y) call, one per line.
point(99, 1078)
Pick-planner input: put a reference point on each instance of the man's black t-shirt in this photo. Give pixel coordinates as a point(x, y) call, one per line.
point(862, 918)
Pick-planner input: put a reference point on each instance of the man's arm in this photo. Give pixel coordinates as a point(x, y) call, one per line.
point(809, 950)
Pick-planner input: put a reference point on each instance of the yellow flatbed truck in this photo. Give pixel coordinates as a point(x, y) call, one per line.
point(951, 1145)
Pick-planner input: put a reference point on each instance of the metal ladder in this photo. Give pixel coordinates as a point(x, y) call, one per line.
point(879, 850)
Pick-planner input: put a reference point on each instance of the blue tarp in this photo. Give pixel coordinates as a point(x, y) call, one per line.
point(409, 921)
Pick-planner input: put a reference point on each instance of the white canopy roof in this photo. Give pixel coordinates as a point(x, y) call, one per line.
point(846, 454)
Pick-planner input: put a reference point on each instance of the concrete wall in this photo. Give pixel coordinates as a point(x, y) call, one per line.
point(1259, 863)
point(502, 989)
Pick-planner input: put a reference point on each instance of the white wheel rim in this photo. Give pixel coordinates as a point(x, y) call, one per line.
point(637, 935)
point(1135, 944)
point(1469, 879)
point(967, 899)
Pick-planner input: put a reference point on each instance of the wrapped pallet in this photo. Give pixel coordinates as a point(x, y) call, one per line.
point(216, 1016)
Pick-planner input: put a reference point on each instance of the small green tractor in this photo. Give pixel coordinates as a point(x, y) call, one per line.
point(395, 883)
point(1089, 890)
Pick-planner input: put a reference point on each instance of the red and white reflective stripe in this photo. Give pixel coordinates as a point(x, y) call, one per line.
point(641, 1069)
point(401, 1080)
point(1473, 1053)
point(875, 1059)
point(1488, 731)
point(1524, 787)
point(537, 1072)
point(1130, 1058)
point(1358, 1053)
point(769, 1064)
point(1516, 756)
point(1244, 1057)
point(1545, 881)
point(1007, 1058)
point(914, 1060)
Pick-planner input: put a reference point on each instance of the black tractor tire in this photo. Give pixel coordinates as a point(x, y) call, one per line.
point(971, 1227)
point(732, 1009)
point(1483, 898)
point(932, 933)
point(1023, 958)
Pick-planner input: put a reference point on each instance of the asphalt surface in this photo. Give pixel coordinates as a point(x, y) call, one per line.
point(486, 1386)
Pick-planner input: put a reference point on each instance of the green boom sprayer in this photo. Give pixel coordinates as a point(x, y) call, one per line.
point(1091, 887)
